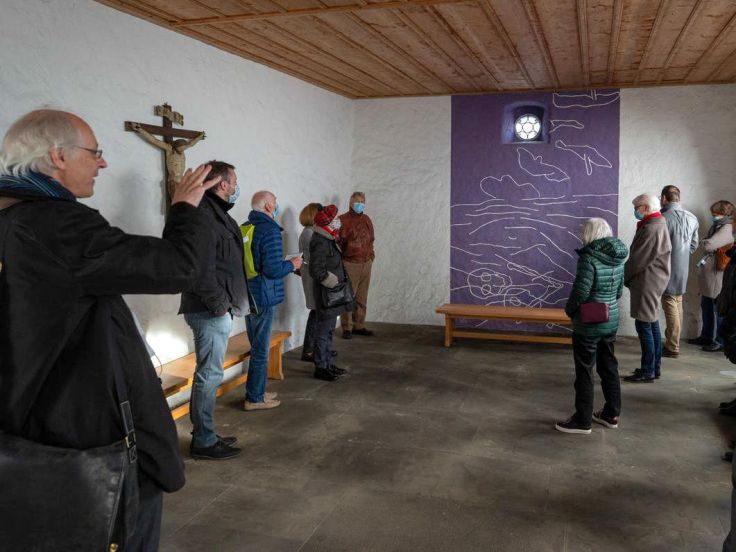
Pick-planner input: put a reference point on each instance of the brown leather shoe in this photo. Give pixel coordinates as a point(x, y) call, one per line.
point(347, 334)
point(363, 331)
point(670, 354)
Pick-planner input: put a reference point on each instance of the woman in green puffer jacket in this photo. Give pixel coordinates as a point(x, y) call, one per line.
point(599, 279)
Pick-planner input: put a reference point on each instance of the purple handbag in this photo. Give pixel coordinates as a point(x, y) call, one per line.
point(593, 313)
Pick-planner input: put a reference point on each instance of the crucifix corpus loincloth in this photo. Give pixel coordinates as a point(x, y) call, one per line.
point(175, 142)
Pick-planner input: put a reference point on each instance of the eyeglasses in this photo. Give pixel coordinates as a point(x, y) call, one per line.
point(97, 152)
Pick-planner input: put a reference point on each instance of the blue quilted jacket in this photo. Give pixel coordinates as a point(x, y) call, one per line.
point(267, 289)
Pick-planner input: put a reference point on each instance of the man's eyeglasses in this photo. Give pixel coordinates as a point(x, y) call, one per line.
point(97, 152)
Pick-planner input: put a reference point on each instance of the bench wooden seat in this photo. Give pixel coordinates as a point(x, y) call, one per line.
point(178, 374)
point(520, 314)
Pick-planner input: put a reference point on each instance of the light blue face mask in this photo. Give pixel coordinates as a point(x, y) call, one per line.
point(277, 211)
point(359, 208)
point(236, 194)
point(717, 218)
point(638, 215)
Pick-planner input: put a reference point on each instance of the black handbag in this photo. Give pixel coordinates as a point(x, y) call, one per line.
point(59, 499)
point(341, 294)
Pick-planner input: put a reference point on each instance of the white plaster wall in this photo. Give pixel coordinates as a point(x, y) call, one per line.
point(281, 133)
point(681, 135)
point(671, 135)
point(401, 160)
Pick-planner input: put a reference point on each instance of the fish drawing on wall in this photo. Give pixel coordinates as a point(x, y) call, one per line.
point(594, 98)
point(588, 154)
point(562, 123)
point(533, 165)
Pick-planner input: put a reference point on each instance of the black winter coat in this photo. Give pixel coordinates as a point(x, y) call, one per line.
point(221, 286)
point(727, 307)
point(325, 259)
point(63, 325)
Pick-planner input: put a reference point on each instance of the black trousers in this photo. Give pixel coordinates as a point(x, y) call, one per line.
point(309, 333)
point(598, 352)
point(150, 509)
point(323, 340)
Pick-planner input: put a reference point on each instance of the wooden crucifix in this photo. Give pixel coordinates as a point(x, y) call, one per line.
point(175, 142)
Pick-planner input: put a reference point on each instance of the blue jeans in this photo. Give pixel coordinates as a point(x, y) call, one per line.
point(211, 334)
point(711, 321)
point(650, 339)
point(259, 334)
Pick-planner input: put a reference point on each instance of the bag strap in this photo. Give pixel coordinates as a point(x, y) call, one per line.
point(123, 402)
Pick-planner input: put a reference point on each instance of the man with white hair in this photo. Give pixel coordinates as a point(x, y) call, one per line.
point(266, 292)
point(64, 326)
point(646, 274)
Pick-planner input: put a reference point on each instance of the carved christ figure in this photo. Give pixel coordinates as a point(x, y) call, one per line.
point(174, 152)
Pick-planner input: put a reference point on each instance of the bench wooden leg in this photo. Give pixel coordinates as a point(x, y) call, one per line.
point(275, 370)
point(449, 328)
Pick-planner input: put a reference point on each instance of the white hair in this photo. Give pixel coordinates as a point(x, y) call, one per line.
point(595, 229)
point(259, 200)
point(29, 141)
point(650, 200)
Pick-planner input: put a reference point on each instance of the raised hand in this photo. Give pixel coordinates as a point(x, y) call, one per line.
point(192, 186)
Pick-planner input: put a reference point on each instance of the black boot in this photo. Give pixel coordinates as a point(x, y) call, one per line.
point(325, 375)
point(337, 370)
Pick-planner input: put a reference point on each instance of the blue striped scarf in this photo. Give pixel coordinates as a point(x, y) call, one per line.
point(33, 185)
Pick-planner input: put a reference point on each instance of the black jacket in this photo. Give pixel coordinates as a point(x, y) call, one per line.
point(221, 286)
point(727, 307)
point(63, 324)
point(325, 268)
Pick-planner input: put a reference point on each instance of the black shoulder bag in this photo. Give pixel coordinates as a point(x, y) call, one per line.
point(61, 499)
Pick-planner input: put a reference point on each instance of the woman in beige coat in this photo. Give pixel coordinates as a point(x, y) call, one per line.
point(710, 279)
point(646, 274)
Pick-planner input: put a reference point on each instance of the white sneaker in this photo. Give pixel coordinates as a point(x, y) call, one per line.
point(270, 396)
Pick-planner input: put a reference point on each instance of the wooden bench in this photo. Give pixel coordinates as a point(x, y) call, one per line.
point(509, 314)
point(178, 375)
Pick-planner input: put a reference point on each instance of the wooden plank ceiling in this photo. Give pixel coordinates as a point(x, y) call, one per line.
point(377, 48)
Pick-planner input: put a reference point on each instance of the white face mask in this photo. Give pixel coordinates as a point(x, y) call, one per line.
point(335, 224)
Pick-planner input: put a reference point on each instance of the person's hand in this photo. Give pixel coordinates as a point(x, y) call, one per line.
point(297, 262)
point(192, 186)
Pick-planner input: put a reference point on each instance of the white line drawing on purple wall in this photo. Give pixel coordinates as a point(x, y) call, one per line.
point(561, 123)
point(533, 165)
point(489, 182)
point(594, 98)
point(588, 154)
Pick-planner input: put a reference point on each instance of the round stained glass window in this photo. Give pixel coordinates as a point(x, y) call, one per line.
point(527, 127)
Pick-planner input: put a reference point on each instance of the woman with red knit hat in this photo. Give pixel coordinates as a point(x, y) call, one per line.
point(328, 273)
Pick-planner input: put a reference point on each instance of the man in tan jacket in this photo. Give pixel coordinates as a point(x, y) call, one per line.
point(356, 241)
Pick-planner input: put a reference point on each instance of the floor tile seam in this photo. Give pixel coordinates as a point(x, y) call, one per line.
point(319, 524)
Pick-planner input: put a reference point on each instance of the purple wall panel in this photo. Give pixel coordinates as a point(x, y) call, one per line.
point(517, 207)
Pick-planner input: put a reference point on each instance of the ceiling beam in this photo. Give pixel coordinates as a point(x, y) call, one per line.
point(536, 25)
point(487, 64)
point(618, 13)
point(497, 24)
point(349, 8)
point(582, 9)
point(678, 42)
point(652, 34)
point(428, 41)
point(717, 41)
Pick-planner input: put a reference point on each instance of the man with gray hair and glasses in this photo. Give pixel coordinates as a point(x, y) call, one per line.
point(682, 226)
point(356, 241)
point(65, 331)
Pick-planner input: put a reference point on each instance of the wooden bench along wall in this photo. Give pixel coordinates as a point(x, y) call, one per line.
point(178, 374)
point(509, 314)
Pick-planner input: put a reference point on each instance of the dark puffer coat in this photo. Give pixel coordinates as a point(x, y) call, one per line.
point(326, 269)
point(599, 279)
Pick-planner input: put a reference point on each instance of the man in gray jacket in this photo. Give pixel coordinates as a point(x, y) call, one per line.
point(682, 226)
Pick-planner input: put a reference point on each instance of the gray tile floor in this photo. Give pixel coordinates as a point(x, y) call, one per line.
point(423, 448)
